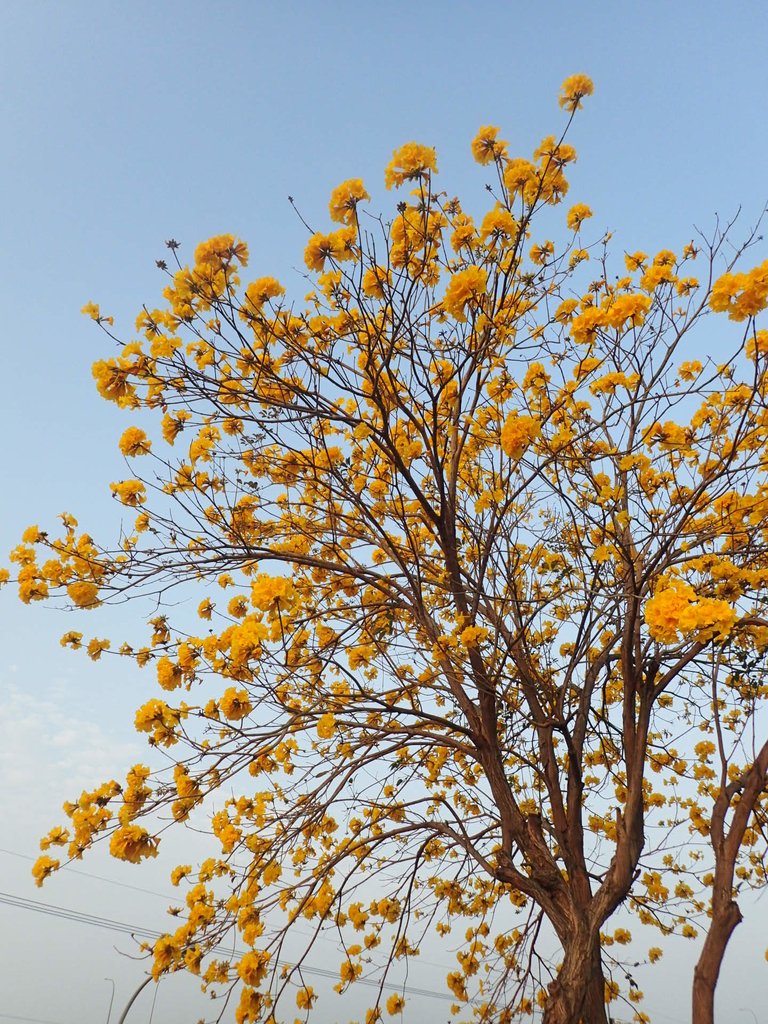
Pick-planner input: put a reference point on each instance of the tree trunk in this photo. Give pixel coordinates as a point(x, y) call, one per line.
point(577, 995)
point(725, 917)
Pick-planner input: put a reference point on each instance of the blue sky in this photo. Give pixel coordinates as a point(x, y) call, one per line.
point(126, 124)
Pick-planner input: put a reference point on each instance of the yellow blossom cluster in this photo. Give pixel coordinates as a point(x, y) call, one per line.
point(465, 287)
point(741, 295)
point(129, 492)
point(487, 147)
point(573, 90)
point(344, 200)
point(518, 433)
point(676, 611)
point(410, 162)
point(336, 246)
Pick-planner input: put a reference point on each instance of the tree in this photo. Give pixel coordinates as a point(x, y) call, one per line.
point(490, 536)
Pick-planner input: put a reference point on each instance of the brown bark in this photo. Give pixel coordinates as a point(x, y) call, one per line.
point(726, 844)
point(577, 995)
point(725, 918)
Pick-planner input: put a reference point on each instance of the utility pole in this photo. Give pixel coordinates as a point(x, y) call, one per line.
point(111, 998)
point(132, 1000)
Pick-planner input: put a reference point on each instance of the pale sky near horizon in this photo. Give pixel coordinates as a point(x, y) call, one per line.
point(126, 124)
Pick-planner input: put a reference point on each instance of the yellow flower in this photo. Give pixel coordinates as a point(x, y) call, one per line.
point(84, 594)
point(246, 642)
point(112, 382)
point(573, 90)
point(72, 639)
point(395, 1004)
point(305, 998)
point(96, 648)
point(498, 226)
point(337, 246)
point(91, 309)
point(540, 253)
point(250, 1007)
point(374, 280)
point(129, 492)
point(58, 836)
point(473, 635)
point(611, 991)
point(271, 873)
point(520, 177)
point(635, 261)
point(132, 843)
point(686, 285)
point(173, 423)
point(235, 704)
point(456, 984)
point(253, 967)
point(517, 434)
point(627, 307)
point(659, 273)
point(260, 291)
point(465, 286)
point(326, 725)
point(169, 676)
point(221, 250)
point(486, 147)
point(585, 326)
point(690, 369)
point(180, 873)
point(165, 952)
point(134, 442)
point(344, 200)
point(464, 235)
point(741, 295)
point(271, 592)
point(349, 971)
point(43, 867)
point(757, 345)
point(409, 162)
point(675, 608)
point(577, 214)
point(31, 586)
point(161, 721)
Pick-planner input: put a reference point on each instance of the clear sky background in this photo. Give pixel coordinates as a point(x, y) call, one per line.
point(124, 124)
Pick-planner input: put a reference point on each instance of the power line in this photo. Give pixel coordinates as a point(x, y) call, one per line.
point(89, 874)
point(32, 1020)
point(172, 899)
point(66, 914)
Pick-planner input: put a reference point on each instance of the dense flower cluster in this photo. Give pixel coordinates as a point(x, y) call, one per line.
point(676, 611)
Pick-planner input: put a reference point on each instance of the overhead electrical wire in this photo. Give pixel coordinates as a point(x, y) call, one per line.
point(170, 899)
point(31, 1020)
point(66, 914)
point(89, 874)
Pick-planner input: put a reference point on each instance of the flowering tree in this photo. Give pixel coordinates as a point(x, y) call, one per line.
point(480, 538)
